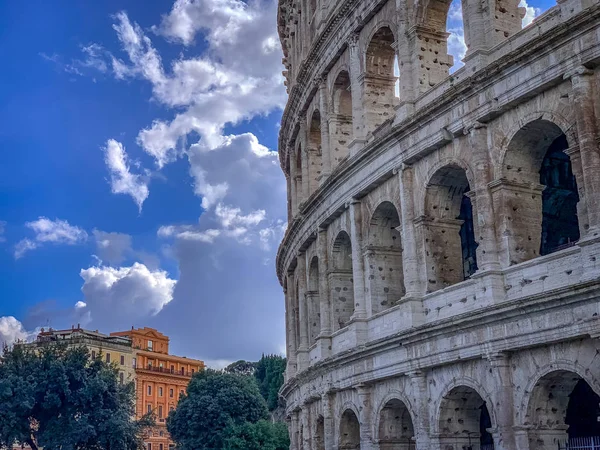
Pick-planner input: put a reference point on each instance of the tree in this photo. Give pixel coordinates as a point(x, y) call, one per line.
point(269, 375)
point(215, 401)
point(241, 367)
point(262, 435)
point(59, 398)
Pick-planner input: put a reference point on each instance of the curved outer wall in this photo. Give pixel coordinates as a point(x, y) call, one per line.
point(441, 288)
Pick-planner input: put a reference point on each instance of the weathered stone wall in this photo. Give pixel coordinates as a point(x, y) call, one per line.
point(420, 308)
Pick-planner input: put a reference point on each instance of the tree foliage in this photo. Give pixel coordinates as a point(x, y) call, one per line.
point(269, 375)
point(215, 402)
point(262, 435)
point(241, 367)
point(59, 398)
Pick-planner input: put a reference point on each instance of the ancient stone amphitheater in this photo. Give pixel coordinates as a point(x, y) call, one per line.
point(441, 267)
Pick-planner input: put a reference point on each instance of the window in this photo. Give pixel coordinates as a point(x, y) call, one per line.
point(121, 377)
point(149, 408)
point(183, 371)
point(122, 360)
point(148, 446)
point(149, 364)
point(172, 369)
point(160, 391)
point(160, 411)
point(108, 358)
point(150, 345)
point(134, 363)
point(193, 371)
point(161, 434)
point(149, 389)
point(171, 393)
point(93, 354)
point(160, 447)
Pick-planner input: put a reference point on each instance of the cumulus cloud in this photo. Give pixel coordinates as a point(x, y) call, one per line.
point(122, 180)
point(530, 13)
point(456, 39)
point(12, 330)
point(136, 292)
point(54, 231)
point(112, 247)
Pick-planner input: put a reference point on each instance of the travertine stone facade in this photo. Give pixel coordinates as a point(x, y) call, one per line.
point(441, 267)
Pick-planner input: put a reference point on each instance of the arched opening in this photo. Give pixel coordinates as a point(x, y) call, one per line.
point(396, 430)
point(340, 120)
point(319, 437)
point(560, 224)
point(562, 407)
point(464, 420)
point(385, 277)
point(340, 281)
point(380, 81)
point(538, 194)
point(315, 156)
point(349, 431)
point(313, 299)
point(449, 229)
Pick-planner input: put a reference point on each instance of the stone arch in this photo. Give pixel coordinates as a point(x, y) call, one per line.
point(380, 80)
point(313, 300)
point(314, 150)
point(340, 119)
point(340, 280)
point(537, 192)
point(448, 228)
point(349, 437)
point(464, 416)
point(394, 424)
point(561, 405)
point(383, 258)
point(319, 435)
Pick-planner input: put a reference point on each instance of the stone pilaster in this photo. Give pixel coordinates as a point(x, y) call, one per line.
point(328, 422)
point(303, 313)
point(306, 429)
point(293, 182)
point(294, 432)
point(584, 94)
point(356, 89)
point(324, 338)
point(325, 147)
point(504, 436)
point(365, 407)
point(421, 423)
point(358, 269)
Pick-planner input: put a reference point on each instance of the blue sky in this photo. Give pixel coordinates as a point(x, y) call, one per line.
point(139, 183)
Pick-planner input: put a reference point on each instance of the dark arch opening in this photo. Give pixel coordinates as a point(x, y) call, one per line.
point(340, 119)
point(341, 282)
point(349, 431)
point(319, 439)
point(583, 412)
point(396, 431)
point(560, 224)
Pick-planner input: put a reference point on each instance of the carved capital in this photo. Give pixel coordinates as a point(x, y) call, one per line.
point(578, 71)
point(469, 129)
point(353, 40)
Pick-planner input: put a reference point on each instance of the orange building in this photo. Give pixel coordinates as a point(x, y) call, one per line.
point(160, 380)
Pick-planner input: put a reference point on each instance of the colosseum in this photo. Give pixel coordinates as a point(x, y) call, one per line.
point(441, 265)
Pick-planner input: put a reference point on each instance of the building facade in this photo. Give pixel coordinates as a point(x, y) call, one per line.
point(441, 265)
point(113, 349)
point(161, 379)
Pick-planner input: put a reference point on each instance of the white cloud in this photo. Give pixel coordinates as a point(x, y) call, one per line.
point(530, 13)
point(2, 230)
point(112, 247)
point(122, 181)
point(11, 330)
point(53, 231)
point(80, 304)
point(135, 292)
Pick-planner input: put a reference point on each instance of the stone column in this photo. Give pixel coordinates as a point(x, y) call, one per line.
point(291, 329)
point(293, 182)
point(304, 159)
point(328, 422)
point(485, 228)
point(421, 423)
point(324, 338)
point(504, 433)
point(366, 418)
point(306, 434)
point(410, 261)
point(584, 96)
point(325, 148)
point(356, 89)
point(303, 344)
point(358, 270)
point(294, 432)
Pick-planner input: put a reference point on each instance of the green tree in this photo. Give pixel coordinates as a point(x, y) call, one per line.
point(241, 367)
point(215, 401)
point(269, 375)
point(262, 435)
point(59, 398)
